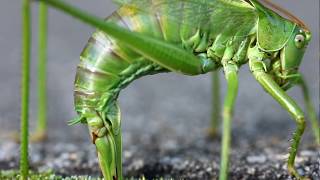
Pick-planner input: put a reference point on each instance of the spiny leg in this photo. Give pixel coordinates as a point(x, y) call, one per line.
point(26, 49)
point(298, 79)
point(231, 75)
point(311, 111)
point(266, 81)
point(215, 112)
point(41, 130)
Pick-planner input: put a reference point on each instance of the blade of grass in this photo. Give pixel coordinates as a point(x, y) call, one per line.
point(26, 43)
point(42, 75)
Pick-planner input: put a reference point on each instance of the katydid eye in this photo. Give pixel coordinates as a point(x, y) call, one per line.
point(299, 41)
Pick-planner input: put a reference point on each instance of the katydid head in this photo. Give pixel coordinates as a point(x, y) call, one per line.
point(286, 65)
point(292, 53)
point(286, 35)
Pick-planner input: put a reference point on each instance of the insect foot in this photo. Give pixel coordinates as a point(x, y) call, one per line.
point(213, 133)
point(294, 173)
point(38, 137)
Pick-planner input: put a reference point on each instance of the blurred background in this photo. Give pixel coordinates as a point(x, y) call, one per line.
point(172, 106)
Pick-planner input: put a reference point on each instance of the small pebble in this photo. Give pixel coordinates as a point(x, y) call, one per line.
point(300, 171)
point(127, 154)
point(251, 171)
point(256, 159)
point(73, 156)
point(307, 153)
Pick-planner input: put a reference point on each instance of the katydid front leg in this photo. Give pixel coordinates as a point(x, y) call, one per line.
point(257, 68)
point(231, 75)
point(297, 79)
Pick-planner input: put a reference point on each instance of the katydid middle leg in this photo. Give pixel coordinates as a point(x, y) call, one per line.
point(215, 111)
point(231, 75)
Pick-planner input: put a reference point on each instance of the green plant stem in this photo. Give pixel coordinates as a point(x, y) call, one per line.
point(26, 43)
point(42, 63)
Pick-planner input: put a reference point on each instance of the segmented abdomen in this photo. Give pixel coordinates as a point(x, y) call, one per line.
point(106, 66)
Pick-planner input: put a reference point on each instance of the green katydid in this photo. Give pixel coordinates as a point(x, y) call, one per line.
point(191, 37)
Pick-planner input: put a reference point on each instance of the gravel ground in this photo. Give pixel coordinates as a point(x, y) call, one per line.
point(262, 158)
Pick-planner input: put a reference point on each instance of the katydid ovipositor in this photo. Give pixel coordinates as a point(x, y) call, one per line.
point(192, 37)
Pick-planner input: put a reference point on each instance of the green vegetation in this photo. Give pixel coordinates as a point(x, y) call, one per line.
point(9, 175)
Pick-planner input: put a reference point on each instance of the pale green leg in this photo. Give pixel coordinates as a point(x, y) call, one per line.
point(232, 83)
point(25, 78)
point(311, 111)
point(118, 142)
point(215, 113)
point(287, 103)
point(106, 155)
point(298, 79)
point(41, 130)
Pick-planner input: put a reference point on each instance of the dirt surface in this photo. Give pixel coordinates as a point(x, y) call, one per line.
point(251, 158)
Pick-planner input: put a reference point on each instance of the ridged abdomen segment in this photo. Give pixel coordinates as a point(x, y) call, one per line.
point(97, 72)
point(107, 65)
